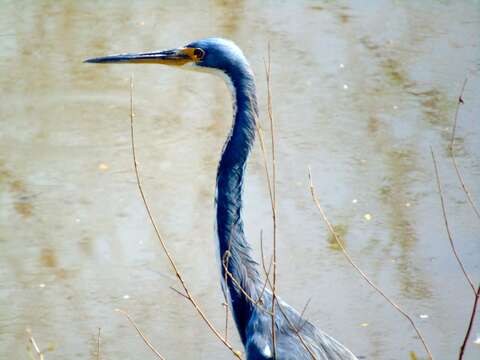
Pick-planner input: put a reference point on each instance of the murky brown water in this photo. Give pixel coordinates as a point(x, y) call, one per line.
point(361, 90)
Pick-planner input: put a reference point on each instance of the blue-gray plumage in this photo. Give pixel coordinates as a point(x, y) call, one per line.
point(253, 321)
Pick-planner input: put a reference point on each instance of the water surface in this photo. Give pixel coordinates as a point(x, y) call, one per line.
point(361, 92)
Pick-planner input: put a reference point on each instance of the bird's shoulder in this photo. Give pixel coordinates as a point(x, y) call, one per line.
point(293, 335)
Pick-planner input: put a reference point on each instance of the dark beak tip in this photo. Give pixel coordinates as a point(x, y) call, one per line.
point(95, 60)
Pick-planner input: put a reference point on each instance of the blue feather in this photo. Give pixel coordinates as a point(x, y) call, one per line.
point(253, 321)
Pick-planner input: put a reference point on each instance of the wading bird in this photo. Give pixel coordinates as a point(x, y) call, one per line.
point(295, 338)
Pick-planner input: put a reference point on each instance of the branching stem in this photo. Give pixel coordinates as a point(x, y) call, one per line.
point(170, 258)
point(360, 271)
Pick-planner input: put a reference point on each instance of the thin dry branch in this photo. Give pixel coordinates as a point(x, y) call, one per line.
point(256, 303)
point(239, 286)
point(472, 205)
point(188, 294)
point(272, 194)
point(271, 181)
point(178, 292)
point(225, 262)
point(225, 305)
point(454, 159)
point(98, 344)
point(447, 226)
point(305, 307)
point(360, 271)
point(455, 118)
point(34, 344)
point(249, 298)
point(140, 332)
point(470, 324)
point(290, 323)
point(296, 331)
point(268, 72)
point(265, 162)
point(267, 272)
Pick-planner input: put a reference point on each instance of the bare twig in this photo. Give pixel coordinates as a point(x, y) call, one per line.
point(292, 326)
point(296, 331)
point(455, 118)
point(305, 307)
point(140, 332)
point(447, 226)
point(470, 324)
point(239, 286)
point(452, 153)
point(225, 305)
point(34, 344)
point(226, 261)
point(360, 271)
point(179, 292)
point(187, 294)
point(265, 163)
point(303, 313)
point(256, 303)
point(274, 196)
point(267, 272)
point(98, 344)
point(472, 205)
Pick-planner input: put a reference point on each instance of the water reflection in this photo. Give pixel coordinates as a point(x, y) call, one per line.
point(361, 90)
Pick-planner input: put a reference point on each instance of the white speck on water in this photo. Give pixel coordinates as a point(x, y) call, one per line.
point(126, 297)
point(341, 66)
point(42, 285)
point(395, 107)
point(77, 220)
point(477, 340)
point(345, 86)
point(354, 201)
point(423, 316)
point(408, 204)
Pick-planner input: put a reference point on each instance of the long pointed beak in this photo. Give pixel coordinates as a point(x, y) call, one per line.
point(168, 57)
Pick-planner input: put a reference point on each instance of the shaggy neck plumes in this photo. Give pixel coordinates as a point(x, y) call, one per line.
point(234, 249)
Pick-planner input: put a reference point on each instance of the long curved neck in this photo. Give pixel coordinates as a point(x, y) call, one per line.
point(234, 249)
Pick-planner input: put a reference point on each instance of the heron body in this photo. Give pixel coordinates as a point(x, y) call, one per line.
point(295, 337)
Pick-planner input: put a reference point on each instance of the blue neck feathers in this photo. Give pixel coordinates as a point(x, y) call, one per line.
point(234, 249)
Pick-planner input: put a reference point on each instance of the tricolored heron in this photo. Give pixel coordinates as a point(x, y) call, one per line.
point(243, 282)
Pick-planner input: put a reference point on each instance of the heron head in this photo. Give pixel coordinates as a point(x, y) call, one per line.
point(211, 53)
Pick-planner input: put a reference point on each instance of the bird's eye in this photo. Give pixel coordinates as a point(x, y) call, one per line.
point(199, 53)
